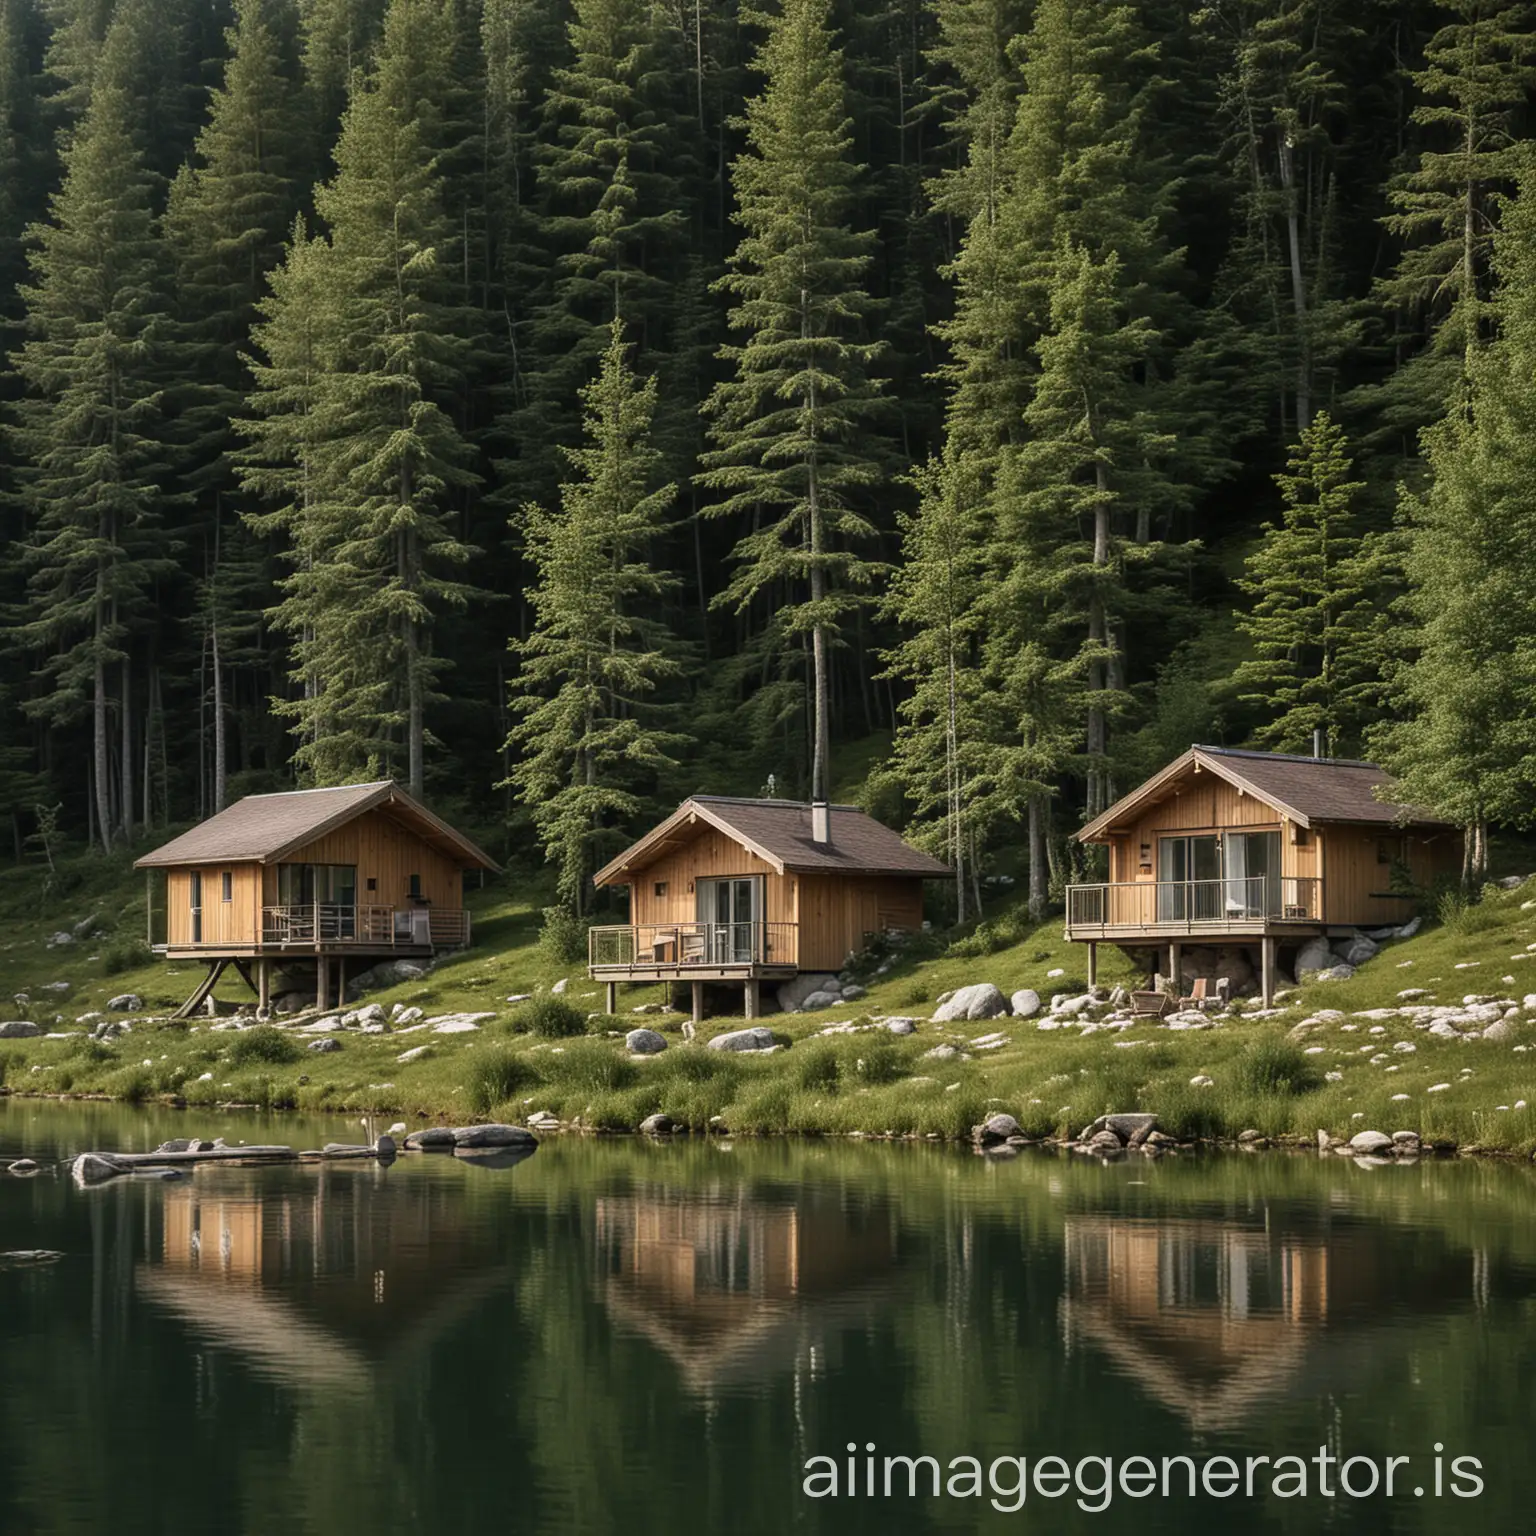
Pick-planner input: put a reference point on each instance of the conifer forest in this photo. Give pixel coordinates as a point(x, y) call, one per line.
point(563, 406)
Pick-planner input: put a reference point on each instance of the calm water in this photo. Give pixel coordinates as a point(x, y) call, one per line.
point(619, 1337)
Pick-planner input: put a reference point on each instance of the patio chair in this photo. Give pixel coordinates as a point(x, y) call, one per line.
point(1153, 1005)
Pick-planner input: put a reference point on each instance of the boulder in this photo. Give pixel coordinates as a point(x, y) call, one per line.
point(1358, 950)
point(1070, 1007)
point(1370, 1142)
point(1315, 955)
point(408, 1016)
point(1249, 1138)
point(493, 1136)
point(434, 1138)
point(558, 990)
point(1132, 1126)
point(644, 1042)
point(1340, 972)
point(852, 992)
point(979, 1001)
point(756, 1038)
point(385, 1145)
point(125, 1002)
point(456, 1023)
point(19, 1029)
point(59, 940)
point(177, 1144)
point(819, 1000)
point(657, 1125)
point(900, 1026)
point(1105, 1141)
point(1406, 1141)
point(994, 1128)
point(792, 994)
point(324, 1045)
point(943, 1053)
point(416, 1053)
point(24, 1167)
point(1498, 1030)
point(371, 1013)
point(97, 1167)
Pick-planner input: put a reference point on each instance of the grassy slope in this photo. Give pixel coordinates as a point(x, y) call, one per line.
point(873, 1083)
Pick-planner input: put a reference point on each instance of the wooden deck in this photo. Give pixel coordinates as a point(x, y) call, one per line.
point(1155, 911)
point(647, 952)
point(324, 929)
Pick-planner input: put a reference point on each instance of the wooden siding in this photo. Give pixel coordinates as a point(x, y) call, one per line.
point(837, 912)
point(712, 855)
point(387, 852)
point(235, 921)
point(1357, 870)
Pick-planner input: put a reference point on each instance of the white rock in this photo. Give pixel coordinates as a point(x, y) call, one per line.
point(980, 1001)
point(1052, 975)
point(1437, 1088)
point(1026, 1003)
point(560, 986)
point(1370, 1141)
point(1202, 1081)
point(414, 1054)
point(756, 1038)
point(644, 1042)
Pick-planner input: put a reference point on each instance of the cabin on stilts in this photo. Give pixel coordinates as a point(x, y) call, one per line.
point(1239, 858)
point(311, 881)
point(751, 891)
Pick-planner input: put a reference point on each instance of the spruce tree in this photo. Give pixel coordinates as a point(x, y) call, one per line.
point(1479, 69)
point(593, 670)
point(1465, 740)
point(791, 429)
point(1317, 593)
point(86, 434)
point(338, 38)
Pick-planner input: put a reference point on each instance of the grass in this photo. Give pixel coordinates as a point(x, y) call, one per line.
point(561, 1054)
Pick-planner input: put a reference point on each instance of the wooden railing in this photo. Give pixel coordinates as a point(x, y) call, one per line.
point(377, 927)
point(682, 945)
point(1180, 906)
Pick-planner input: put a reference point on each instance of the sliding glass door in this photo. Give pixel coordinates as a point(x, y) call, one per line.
point(1189, 879)
point(730, 911)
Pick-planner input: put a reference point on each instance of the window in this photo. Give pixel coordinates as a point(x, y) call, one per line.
point(373, 883)
point(227, 890)
point(661, 887)
point(415, 888)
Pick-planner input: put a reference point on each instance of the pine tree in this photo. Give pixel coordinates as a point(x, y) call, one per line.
point(86, 432)
point(1465, 740)
point(1479, 69)
point(338, 41)
point(791, 428)
point(375, 539)
point(598, 659)
point(1318, 593)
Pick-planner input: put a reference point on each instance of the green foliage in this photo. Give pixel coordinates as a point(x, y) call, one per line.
point(265, 1044)
point(1272, 1065)
point(551, 1018)
point(563, 935)
point(496, 1076)
point(1462, 913)
point(125, 955)
point(594, 1066)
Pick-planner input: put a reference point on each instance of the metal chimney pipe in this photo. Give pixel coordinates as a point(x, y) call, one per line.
point(1317, 741)
point(821, 822)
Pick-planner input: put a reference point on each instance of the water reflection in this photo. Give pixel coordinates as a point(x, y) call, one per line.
point(1216, 1319)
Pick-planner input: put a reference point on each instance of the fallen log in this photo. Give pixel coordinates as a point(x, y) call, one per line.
point(97, 1167)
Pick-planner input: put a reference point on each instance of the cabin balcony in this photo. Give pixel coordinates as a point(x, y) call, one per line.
point(1130, 912)
point(694, 952)
point(314, 928)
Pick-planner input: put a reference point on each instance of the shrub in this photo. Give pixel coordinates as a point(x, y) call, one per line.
point(124, 955)
point(264, 1044)
point(1273, 1066)
point(591, 1065)
point(133, 1084)
point(551, 1018)
point(5, 1063)
point(690, 1064)
point(83, 1048)
point(1463, 916)
point(818, 1068)
point(913, 996)
point(1001, 932)
point(563, 936)
point(878, 1059)
point(496, 1076)
point(1190, 1114)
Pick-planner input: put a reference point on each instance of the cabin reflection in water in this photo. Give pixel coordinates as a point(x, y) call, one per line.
point(324, 1281)
point(734, 1290)
point(1214, 1320)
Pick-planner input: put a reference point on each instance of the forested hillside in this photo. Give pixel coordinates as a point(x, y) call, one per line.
point(563, 405)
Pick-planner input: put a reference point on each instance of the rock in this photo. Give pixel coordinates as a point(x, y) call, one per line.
point(324, 1044)
point(457, 1023)
point(900, 1025)
point(1315, 955)
point(559, 987)
point(1358, 950)
point(543, 1120)
point(1131, 1126)
point(1410, 928)
point(1161, 1139)
point(657, 1125)
point(385, 1145)
point(97, 1168)
point(980, 1001)
point(1052, 975)
point(1248, 1138)
point(792, 995)
point(372, 1013)
point(1369, 1142)
point(943, 1053)
point(1324, 1141)
point(434, 1138)
point(756, 1038)
point(126, 1002)
point(1498, 1030)
point(644, 1042)
point(853, 992)
point(1201, 1080)
point(995, 1128)
point(346, 1149)
point(1119, 998)
point(59, 940)
point(19, 1029)
point(1406, 1141)
point(408, 1016)
point(24, 1167)
point(1070, 1007)
point(819, 1000)
point(177, 1144)
point(1339, 972)
point(1412, 994)
point(415, 1053)
point(493, 1136)
point(1106, 1141)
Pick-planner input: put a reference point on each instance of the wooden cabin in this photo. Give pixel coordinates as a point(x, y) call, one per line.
point(1262, 847)
point(756, 890)
point(361, 872)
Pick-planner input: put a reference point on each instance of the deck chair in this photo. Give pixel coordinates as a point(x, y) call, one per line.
point(1198, 995)
point(1151, 1004)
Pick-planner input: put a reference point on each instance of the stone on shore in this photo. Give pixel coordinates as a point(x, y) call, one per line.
point(434, 1138)
point(1315, 955)
point(493, 1136)
point(657, 1125)
point(995, 1128)
point(1370, 1142)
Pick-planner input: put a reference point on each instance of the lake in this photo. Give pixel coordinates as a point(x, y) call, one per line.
point(618, 1336)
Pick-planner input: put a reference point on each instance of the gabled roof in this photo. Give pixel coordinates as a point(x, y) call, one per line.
point(1306, 790)
point(262, 829)
point(779, 833)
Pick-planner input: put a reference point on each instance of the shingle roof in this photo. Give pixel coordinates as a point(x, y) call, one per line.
point(261, 828)
point(779, 832)
point(1307, 790)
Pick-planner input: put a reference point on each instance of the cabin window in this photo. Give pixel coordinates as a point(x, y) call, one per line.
point(227, 891)
point(1391, 850)
point(414, 889)
point(373, 883)
point(195, 894)
point(661, 887)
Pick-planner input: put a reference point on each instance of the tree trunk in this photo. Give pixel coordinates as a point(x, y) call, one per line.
point(100, 763)
point(125, 748)
point(1298, 285)
point(220, 743)
point(1098, 733)
point(820, 729)
point(1039, 865)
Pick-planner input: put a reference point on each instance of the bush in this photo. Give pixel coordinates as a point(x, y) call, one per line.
point(1462, 915)
point(691, 1064)
point(496, 1076)
point(1275, 1067)
point(5, 1064)
point(125, 955)
point(1190, 1114)
point(264, 1044)
point(1001, 932)
point(551, 1018)
point(133, 1084)
point(593, 1066)
point(563, 936)
point(818, 1068)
